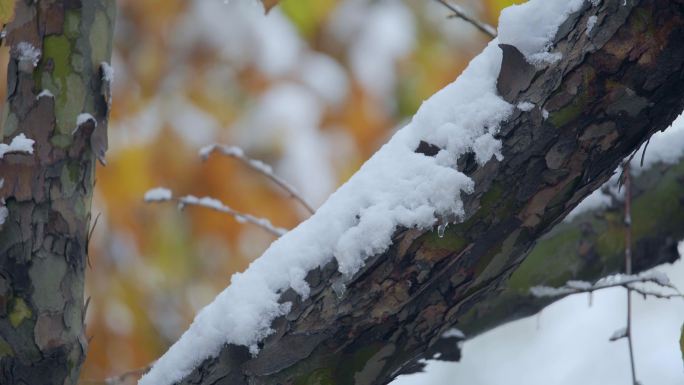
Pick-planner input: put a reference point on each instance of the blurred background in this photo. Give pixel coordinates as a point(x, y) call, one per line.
point(313, 89)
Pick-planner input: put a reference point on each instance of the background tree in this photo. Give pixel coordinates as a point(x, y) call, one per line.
point(57, 97)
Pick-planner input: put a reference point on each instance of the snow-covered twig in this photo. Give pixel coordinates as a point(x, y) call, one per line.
point(257, 165)
point(161, 194)
point(461, 14)
point(617, 280)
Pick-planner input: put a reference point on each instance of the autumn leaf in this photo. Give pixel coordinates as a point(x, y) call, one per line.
point(6, 10)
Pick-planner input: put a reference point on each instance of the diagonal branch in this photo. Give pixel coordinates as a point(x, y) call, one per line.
point(594, 101)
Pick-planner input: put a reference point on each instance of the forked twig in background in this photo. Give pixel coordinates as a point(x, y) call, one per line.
point(461, 14)
point(257, 165)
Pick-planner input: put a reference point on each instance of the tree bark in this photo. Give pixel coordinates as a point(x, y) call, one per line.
point(44, 240)
point(613, 88)
point(587, 248)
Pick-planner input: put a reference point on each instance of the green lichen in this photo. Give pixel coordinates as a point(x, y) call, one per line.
point(321, 376)
point(568, 113)
point(19, 311)
point(541, 266)
point(452, 240)
point(57, 48)
point(5, 349)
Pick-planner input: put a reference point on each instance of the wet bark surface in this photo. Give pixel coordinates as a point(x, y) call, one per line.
point(44, 239)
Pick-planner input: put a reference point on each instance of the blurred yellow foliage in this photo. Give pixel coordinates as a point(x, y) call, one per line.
point(6, 10)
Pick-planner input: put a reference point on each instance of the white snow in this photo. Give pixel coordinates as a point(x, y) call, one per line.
point(619, 333)
point(591, 23)
point(107, 72)
point(45, 93)
point(26, 52)
point(525, 106)
point(84, 117)
point(572, 287)
point(453, 333)
point(533, 36)
point(158, 194)
point(19, 143)
point(396, 187)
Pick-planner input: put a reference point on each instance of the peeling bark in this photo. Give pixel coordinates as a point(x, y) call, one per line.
point(44, 241)
point(613, 88)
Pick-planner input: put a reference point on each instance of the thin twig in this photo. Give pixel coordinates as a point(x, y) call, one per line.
point(257, 165)
point(458, 12)
point(215, 204)
point(166, 195)
point(618, 280)
point(628, 262)
point(119, 379)
point(647, 293)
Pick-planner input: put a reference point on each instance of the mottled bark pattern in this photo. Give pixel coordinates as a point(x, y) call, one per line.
point(591, 246)
point(613, 88)
point(43, 243)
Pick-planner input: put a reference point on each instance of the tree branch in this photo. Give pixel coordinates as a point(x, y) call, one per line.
point(610, 91)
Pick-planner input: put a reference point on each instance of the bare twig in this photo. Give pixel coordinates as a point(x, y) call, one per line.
point(458, 12)
point(257, 165)
point(217, 205)
point(165, 195)
point(628, 262)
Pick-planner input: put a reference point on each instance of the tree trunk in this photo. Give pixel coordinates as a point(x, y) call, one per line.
point(613, 88)
point(60, 100)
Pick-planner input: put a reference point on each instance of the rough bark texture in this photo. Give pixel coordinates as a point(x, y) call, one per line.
point(43, 242)
point(591, 246)
point(613, 88)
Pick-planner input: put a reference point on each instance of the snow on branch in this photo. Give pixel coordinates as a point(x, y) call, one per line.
point(617, 280)
point(397, 187)
point(19, 143)
point(459, 12)
point(619, 334)
point(161, 194)
point(257, 165)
